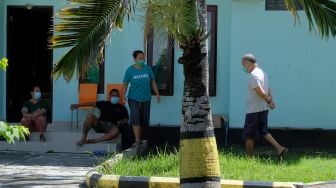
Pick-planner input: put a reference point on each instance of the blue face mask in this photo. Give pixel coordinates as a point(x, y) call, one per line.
point(245, 69)
point(115, 100)
point(37, 95)
point(141, 63)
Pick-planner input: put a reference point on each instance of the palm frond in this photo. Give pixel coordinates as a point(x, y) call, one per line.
point(84, 27)
point(291, 6)
point(176, 17)
point(321, 13)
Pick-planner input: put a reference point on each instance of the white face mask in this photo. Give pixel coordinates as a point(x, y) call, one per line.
point(245, 69)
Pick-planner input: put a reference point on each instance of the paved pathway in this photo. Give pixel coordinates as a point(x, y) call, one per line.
point(56, 170)
point(28, 169)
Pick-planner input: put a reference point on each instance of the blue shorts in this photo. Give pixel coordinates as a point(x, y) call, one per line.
point(255, 125)
point(140, 112)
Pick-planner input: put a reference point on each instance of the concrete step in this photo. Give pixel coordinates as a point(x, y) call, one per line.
point(63, 136)
point(59, 141)
point(60, 147)
point(65, 127)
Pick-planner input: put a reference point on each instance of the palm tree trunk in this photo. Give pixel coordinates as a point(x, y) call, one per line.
point(199, 163)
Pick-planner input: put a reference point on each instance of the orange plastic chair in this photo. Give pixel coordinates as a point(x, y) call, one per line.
point(87, 93)
point(119, 88)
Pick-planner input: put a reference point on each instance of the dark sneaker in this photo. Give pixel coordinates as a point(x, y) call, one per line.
point(42, 138)
point(140, 147)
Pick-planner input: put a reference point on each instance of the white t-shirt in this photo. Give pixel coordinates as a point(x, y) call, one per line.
point(254, 102)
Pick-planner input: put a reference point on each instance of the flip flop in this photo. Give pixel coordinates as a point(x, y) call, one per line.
point(281, 154)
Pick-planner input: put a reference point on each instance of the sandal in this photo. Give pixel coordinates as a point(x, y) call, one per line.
point(42, 138)
point(281, 154)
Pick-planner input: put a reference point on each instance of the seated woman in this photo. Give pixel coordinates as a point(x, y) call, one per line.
point(34, 113)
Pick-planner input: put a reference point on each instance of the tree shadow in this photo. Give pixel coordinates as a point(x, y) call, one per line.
point(293, 156)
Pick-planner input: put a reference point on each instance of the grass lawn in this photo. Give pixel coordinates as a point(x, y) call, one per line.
point(308, 165)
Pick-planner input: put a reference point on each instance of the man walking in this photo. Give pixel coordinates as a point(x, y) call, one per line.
point(259, 102)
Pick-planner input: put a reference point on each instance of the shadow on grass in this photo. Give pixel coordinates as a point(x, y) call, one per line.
point(293, 156)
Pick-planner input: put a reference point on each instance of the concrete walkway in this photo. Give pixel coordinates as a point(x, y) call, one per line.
point(32, 169)
point(56, 170)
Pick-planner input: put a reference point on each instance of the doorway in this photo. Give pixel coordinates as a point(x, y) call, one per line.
point(30, 59)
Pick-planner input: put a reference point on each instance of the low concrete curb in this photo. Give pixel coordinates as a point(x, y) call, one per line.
point(97, 180)
point(94, 179)
point(322, 184)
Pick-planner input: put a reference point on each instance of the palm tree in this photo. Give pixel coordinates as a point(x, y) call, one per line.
point(86, 26)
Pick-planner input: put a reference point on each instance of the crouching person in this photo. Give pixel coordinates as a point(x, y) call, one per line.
point(34, 113)
point(112, 115)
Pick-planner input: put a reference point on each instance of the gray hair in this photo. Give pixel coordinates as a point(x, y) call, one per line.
point(249, 57)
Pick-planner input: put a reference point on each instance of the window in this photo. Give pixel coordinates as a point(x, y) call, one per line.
point(94, 73)
point(160, 50)
point(280, 5)
point(212, 48)
point(160, 56)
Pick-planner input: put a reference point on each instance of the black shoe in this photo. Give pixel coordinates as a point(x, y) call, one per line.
point(42, 138)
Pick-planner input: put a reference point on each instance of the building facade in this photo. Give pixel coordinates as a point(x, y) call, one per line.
point(300, 65)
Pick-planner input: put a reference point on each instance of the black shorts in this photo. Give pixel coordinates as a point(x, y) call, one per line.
point(256, 125)
point(104, 127)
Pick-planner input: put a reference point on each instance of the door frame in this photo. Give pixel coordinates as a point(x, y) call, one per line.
point(6, 51)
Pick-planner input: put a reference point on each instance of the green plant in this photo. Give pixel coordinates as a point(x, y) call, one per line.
point(3, 63)
point(12, 132)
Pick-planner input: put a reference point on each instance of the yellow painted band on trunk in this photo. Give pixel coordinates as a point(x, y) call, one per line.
point(163, 182)
point(108, 181)
point(199, 158)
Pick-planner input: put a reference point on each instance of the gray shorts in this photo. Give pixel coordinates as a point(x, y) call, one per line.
point(104, 127)
point(140, 112)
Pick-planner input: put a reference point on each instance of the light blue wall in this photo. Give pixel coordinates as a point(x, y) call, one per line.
point(168, 111)
point(118, 58)
point(221, 103)
point(300, 65)
point(2, 54)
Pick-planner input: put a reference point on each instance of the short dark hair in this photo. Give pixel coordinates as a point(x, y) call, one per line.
point(114, 90)
point(35, 85)
point(137, 52)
